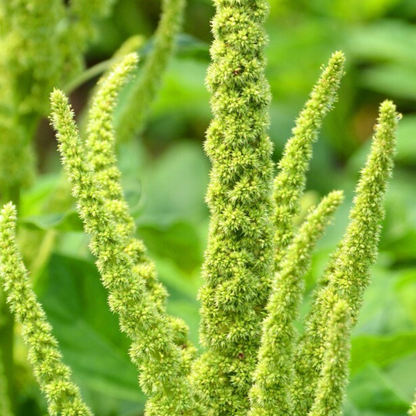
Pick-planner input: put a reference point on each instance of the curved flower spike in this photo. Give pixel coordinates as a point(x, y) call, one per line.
point(163, 374)
point(52, 374)
point(101, 154)
point(136, 105)
point(348, 273)
point(274, 371)
point(100, 143)
point(290, 182)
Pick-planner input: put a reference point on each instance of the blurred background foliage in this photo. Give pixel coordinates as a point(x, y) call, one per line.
point(165, 174)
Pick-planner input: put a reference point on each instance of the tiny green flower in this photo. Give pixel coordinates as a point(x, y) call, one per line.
point(412, 411)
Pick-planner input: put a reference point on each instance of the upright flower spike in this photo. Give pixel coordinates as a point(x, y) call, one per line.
point(290, 182)
point(100, 141)
point(348, 273)
point(274, 371)
point(136, 105)
point(330, 391)
point(237, 268)
point(100, 145)
point(163, 375)
point(52, 375)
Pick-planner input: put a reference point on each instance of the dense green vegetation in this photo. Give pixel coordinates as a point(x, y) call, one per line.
point(165, 177)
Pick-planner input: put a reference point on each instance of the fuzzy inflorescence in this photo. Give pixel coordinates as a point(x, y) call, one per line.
point(51, 373)
point(254, 361)
point(274, 370)
point(121, 260)
point(135, 108)
point(290, 182)
point(237, 269)
point(348, 273)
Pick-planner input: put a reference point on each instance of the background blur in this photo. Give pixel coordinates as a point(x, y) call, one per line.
point(166, 174)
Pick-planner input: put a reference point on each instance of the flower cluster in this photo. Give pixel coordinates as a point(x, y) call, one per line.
point(254, 361)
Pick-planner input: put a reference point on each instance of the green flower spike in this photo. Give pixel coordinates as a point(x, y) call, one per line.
point(238, 261)
point(52, 375)
point(348, 274)
point(274, 370)
point(330, 390)
point(136, 105)
point(163, 374)
point(100, 141)
point(290, 182)
point(100, 145)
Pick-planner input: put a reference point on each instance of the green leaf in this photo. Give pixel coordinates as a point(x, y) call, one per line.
point(178, 241)
point(406, 149)
point(372, 393)
point(88, 334)
point(68, 221)
point(391, 79)
point(380, 350)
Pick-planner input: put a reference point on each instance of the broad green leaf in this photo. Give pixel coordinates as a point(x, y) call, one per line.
point(371, 392)
point(88, 334)
point(406, 149)
point(395, 80)
point(68, 221)
point(380, 350)
point(178, 241)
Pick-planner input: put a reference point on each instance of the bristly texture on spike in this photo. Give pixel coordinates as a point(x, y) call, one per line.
point(163, 375)
point(134, 111)
point(330, 390)
point(290, 182)
point(348, 273)
point(101, 155)
point(274, 371)
point(42, 44)
point(238, 267)
point(52, 374)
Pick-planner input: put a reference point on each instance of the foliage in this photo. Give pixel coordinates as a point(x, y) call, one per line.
point(172, 220)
